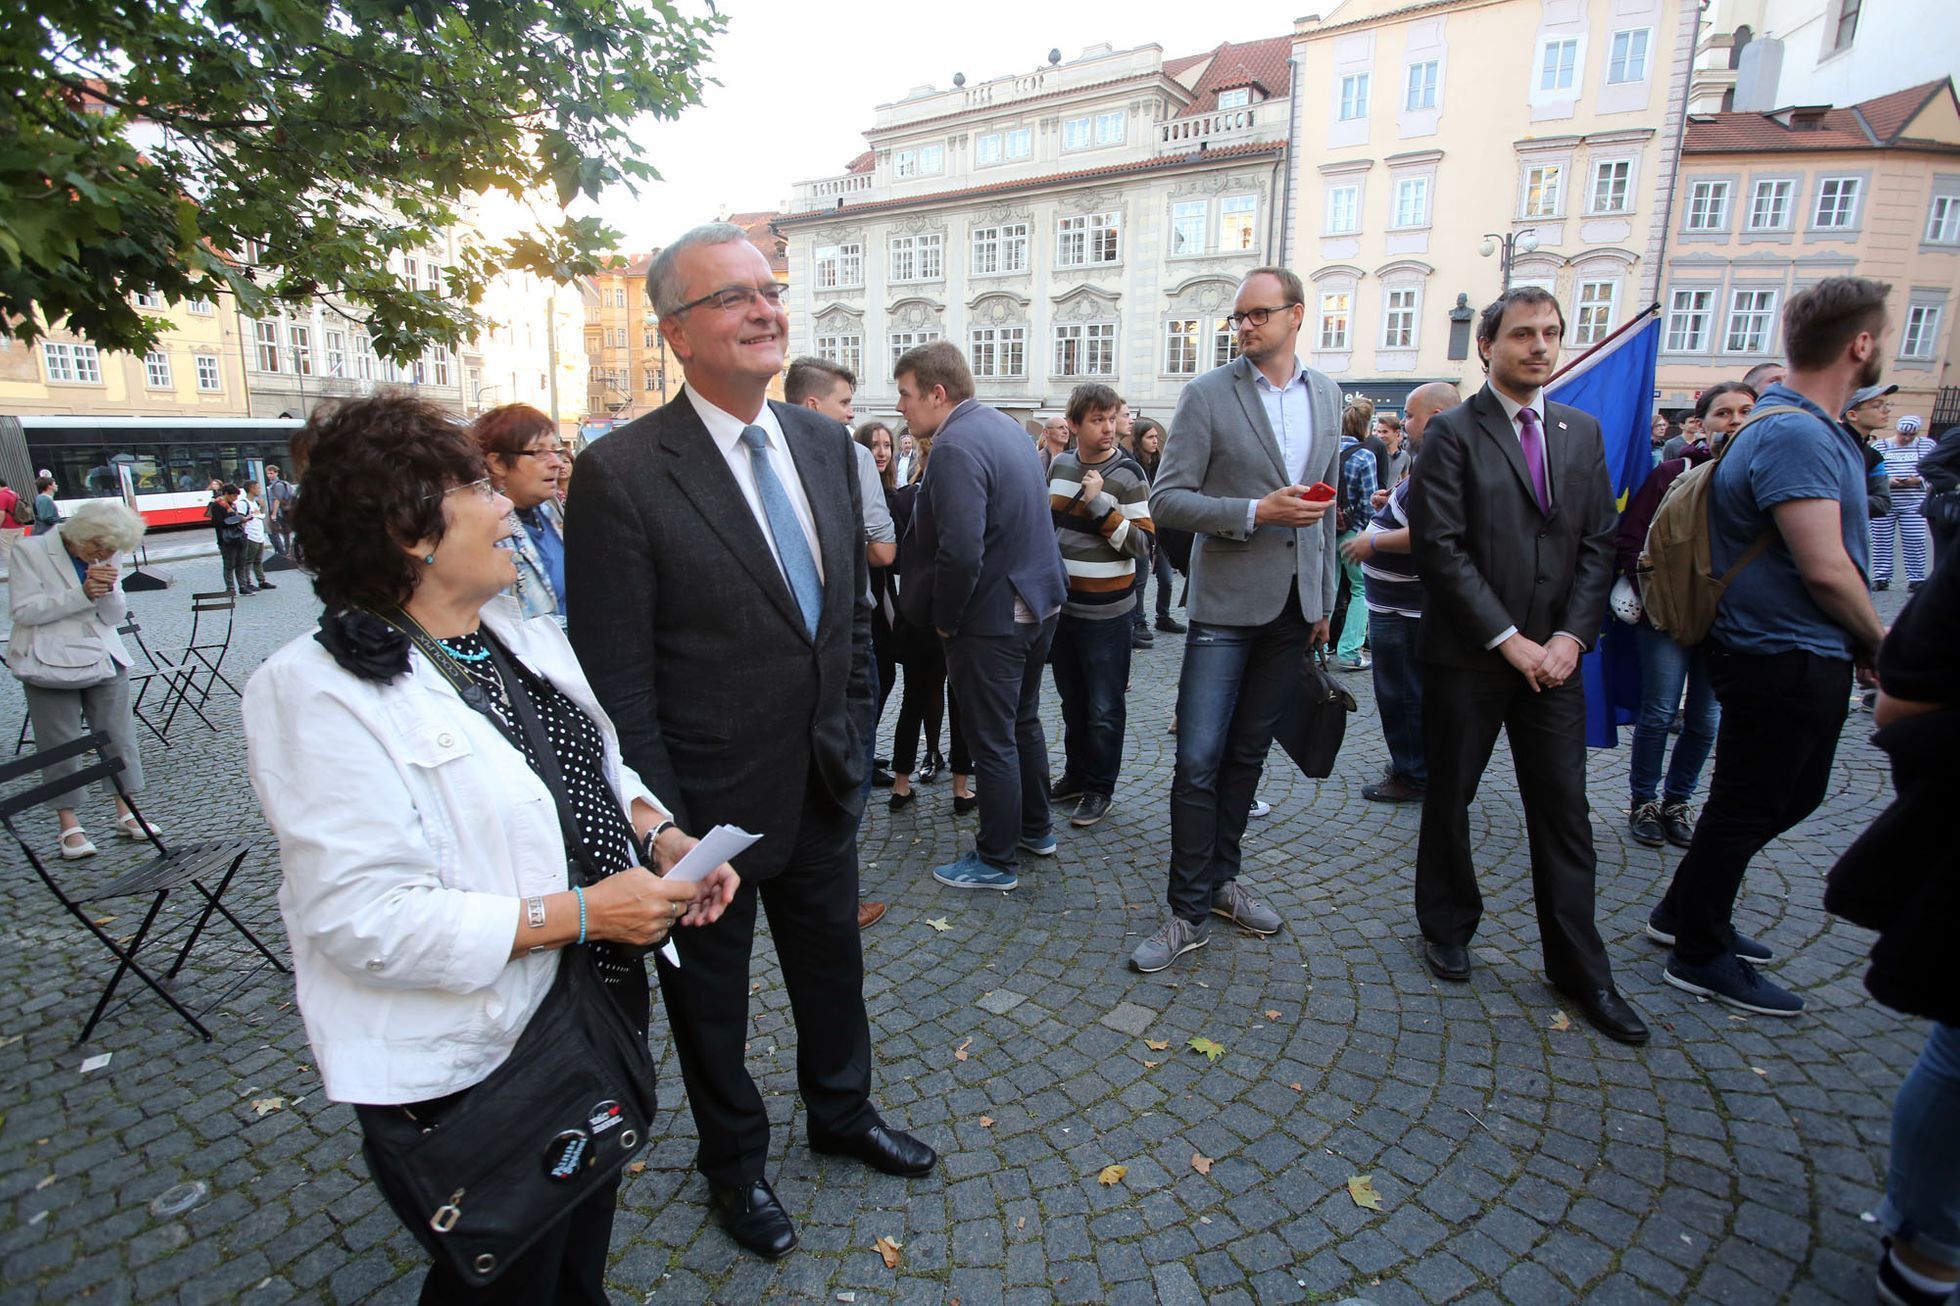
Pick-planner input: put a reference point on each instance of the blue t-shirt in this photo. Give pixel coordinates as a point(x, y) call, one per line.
point(1768, 608)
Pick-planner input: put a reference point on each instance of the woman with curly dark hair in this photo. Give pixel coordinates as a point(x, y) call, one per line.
point(454, 822)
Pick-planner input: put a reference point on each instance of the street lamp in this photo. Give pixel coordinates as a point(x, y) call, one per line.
point(1521, 242)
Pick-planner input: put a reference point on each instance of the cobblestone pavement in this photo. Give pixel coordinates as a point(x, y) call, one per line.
point(1516, 1160)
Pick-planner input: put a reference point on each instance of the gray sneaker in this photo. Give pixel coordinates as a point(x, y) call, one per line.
point(1177, 937)
point(1236, 904)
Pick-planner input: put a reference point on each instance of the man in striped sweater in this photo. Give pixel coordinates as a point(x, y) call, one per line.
point(1100, 500)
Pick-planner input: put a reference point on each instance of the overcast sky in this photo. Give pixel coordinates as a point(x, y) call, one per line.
point(800, 82)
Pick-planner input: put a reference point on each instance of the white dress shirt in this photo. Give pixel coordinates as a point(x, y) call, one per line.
point(1290, 414)
point(725, 429)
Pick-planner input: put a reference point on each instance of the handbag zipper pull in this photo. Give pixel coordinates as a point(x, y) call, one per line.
point(448, 1213)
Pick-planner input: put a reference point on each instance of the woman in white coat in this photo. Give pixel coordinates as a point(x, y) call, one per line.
point(428, 883)
point(67, 601)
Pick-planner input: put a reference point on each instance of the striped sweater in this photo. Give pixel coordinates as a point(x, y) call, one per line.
point(1103, 538)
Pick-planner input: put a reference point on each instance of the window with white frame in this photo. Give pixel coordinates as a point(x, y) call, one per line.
point(419, 372)
point(69, 362)
point(1075, 133)
point(1593, 321)
point(1000, 248)
point(1354, 96)
point(845, 348)
point(364, 359)
point(1751, 313)
point(1837, 203)
point(1087, 239)
point(839, 266)
point(1769, 205)
point(156, 370)
point(1412, 202)
point(1922, 332)
point(1687, 321)
point(1237, 217)
point(1018, 143)
point(200, 307)
point(1224, 342)
point(900, 341)
point(209, 380)
point(1236, 98)
point(1343, 210)
point(148, 299)
point(919, 161)
point(1558, 64)
point(649, 378)
point(1628, 60)
point(1399, 317)
point(301, 341)
point(1943, 221)
point(647, 336)
point(1181, 347)
point(439, 365)
point(1612, 186)
point(1421, 87)
point(619, 297)
point(1188, 219)
point(266, 334)
point(1336, 308)
point(1111, 127)
point(1085, 349)
point(918, 258)
point(336, 353)
point(1708, 206)
point(998, 350)
point(1543, 186)
point(987, 150)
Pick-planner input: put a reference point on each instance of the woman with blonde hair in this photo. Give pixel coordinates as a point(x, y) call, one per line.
point(67, 603)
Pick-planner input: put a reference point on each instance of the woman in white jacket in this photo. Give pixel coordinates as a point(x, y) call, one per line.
point(67, 601)
point(427, 883)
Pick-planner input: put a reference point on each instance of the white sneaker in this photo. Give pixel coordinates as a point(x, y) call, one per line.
point(1260, 807)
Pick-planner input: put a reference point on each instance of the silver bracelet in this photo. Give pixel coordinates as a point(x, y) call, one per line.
point(534, 911)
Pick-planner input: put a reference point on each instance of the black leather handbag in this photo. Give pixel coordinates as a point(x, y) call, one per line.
point(1315, 722)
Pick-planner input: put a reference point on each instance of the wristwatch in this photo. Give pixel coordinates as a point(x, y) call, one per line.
point(649, 858)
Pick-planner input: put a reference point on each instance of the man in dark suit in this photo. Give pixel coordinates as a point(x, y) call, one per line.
point(1511, 514)
point(717, 549)
point(982, 567)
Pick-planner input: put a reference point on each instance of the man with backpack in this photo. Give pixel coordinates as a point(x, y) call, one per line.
point(1789, 626)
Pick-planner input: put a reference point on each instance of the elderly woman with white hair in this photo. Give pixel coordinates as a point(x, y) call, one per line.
point(67, 603)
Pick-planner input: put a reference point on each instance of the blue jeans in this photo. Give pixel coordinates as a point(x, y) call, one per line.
point(1091, 657)
point(1236, 683)
point(996, 682)
point(1398, 692)
point(1922, 1190)
point(1665, 666)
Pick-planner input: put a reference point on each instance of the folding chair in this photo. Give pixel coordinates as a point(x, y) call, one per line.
point(177, 679)
point(170, 869)
point(26, 729)
point(209, 651)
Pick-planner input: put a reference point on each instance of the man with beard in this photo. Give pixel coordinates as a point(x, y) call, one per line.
point(1788, 631)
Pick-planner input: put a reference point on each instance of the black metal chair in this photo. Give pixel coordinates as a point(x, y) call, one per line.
point(208, 648)
point(169, 870)
point(177, 679)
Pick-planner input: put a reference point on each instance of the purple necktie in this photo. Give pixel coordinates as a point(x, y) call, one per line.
point(1534, 455)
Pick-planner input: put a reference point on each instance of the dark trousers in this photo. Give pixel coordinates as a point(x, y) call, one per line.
point(1782, 714)
point(997, 680)
point(1091, 658)
point(566, 1265)
point(927, 702)
point(1234, 687)
point(884, 646)
point(812, 907)
point(231, 556)
point(1160, 566)
point(1398, 692)
point(1462, 711)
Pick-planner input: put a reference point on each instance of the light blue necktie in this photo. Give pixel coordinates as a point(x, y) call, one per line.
point(791, 547)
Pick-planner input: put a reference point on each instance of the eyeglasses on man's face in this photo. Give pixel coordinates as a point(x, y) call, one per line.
point(733, 299)
point(1257, 316)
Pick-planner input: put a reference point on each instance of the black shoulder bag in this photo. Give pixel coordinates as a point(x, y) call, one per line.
point(558, 1121)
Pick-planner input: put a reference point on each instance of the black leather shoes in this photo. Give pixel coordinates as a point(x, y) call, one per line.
point(754, 1218)
point(882, 1148)
point(1447, 961)
point(1608, 1012)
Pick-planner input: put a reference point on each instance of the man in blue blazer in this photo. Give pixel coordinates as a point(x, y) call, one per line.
point(980, 565)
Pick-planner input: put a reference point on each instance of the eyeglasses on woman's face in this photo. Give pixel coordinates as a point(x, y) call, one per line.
point(549, 451)
point(484, 490)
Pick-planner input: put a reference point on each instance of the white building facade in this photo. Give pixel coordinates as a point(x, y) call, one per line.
point(1088, 221)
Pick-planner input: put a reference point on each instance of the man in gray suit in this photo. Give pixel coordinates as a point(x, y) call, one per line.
point(1247, 442)
point(980, 565)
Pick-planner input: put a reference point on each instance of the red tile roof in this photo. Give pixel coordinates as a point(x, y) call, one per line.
point(628, 265)
point(1872, 125)
point(1266, 64)
point(862, 163)
point(761, 227)
point(1248, 149)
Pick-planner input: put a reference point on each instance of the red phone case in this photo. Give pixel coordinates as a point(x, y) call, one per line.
point(1318, 492)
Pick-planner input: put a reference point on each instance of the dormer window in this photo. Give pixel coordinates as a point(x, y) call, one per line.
point(1236, 98)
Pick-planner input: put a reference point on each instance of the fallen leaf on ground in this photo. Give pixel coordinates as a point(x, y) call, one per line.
point(941, 924)
point(1021, 1222)
point(891, 1249)
point(1201, 1163)
point(959, 1053)
point(986, 1122)
point(636, 1167)
point(1361, 1188)
point(1156, 1044)
point(1112, 1175)
point(1272, 1013)
point(1212, 1050)
point(1152, 1065)
point(1296, 1088)
point(265, 1106)
point(44, 1183)
point(1560, 1021)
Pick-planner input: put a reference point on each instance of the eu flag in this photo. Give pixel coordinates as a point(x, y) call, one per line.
point(1614, 381)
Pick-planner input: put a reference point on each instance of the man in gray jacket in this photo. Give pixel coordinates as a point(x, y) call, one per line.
point(1247, 442)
